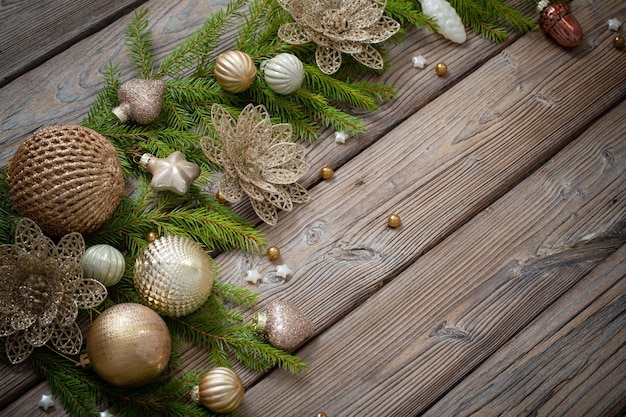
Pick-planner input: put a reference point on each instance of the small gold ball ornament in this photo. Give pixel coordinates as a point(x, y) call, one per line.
point(220, 198)
point(151, 236)
point(321, 414)
point(129, 345)
point(235, 71)
point(273, 253)
point(441, 69)
point(394, 221)
point(220, 390)
point(327, 172)
point(618, 41)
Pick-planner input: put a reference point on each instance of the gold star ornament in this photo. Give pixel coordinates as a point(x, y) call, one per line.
point(41, 289)
point(173, 173)
point(337, 27)
point(259, 161)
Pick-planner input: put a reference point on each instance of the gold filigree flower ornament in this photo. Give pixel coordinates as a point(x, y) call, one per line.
point(41, 289)
point(339, 26)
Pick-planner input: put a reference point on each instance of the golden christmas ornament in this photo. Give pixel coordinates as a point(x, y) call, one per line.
point(441, 69)
point(129, 345)
point(66, 178)
point(394, 220)
point(327, 172)
point(104, 263)
point(220, 198)
point(259, 160)
point(338, 27)
point(235, 71)
point(42, 289)
point(173, 173)
point(618, 41)
point(151, 237)
point(173, 275)
point(220, 390)
point(284, 73)
point(285, 325)
point(140, 100)
point(273, 253)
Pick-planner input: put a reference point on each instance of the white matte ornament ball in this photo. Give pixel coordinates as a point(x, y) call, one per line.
point(284, 73)
point(103, 263)
point(173, 276)
point(234, 71)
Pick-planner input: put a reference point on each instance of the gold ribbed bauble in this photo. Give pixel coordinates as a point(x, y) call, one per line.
point(235, 71)
point(129, 345)
point(221, 390)
point(66, 178)
point(173, 275)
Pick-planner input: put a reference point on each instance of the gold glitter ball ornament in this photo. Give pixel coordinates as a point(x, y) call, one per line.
point(235, 71)
point(327, 172)
point(441, 69)
point(173, 275)
point(285, 325)
point(129, 345)
point(140, 100)
point(104, 263)
point(394, 221)
point(66, 178)
point(273, 253)
point(220, 390)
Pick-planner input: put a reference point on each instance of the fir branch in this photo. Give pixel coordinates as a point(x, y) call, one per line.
point(139, 43)
point(406, 14)
point(318, 108)
point(8, 218)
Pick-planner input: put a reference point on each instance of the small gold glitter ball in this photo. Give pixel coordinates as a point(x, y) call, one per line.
point(393, 220)
point(441, 69)
point(151, 237)
point(618, 41)
point(273, 253)
point(327, 172)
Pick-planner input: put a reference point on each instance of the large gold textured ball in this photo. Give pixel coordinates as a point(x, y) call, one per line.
point(129, 345)
point(66, 178)
point(221, 390)
point(235, 71)
point(173, 275)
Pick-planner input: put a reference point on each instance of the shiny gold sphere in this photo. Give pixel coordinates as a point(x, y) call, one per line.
point(618, 41)
point(129, 345)
point(273, 253)
point(321, 414)
point(393, 220)
point(151, 237)
point(327, 172)
point(221, 390)
point(234, 71)
point(220, 198)
point(441, 69)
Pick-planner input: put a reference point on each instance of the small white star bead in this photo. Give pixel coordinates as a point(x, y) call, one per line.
point(253, 276)
point(283, 271)
point(46, 401)
point(340, 137)
point(614, 24)
point(419, 61)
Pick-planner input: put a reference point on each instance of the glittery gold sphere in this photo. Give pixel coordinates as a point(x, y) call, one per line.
point(221, 390)
point(273, 253)
point(618, 41)
point(235, 71)
point(393, 220)
point(441, 69)
point(173, 275)
point(151, 237)
point(327, 172)
point(285, 325)
point(129, 345)
point(66, 178)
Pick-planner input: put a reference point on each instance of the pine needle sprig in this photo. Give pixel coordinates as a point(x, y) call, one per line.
point(139, 43)
point(406, 14)
point(318, 108)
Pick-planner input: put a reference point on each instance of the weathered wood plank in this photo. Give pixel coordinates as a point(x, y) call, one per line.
point(33, 31)
point(460, 302)
point(570, 361)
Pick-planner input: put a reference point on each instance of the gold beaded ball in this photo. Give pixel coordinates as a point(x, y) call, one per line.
point(273, 253)
point(117, 345)
point(618, 41)
point(441, 69)
point(327, 172)
point(235, 71)
point(393, 220)
point(221, 390)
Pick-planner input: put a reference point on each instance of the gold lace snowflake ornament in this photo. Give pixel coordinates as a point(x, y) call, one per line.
point(259, 160)
point(41, 289)
point(338, 26)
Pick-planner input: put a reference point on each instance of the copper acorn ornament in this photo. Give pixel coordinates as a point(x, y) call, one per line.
point(173, 275)
point(66, 178)
point(285, 325)
point(235, 71)
point(284, 73)
point(558, 21)
point(220, 390)
point(140, 100)
point(103, 263)
point(128, 345)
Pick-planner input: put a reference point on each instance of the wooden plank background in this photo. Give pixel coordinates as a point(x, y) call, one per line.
point(502, 293)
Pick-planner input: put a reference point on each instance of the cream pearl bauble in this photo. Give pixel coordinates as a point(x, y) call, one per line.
point(284, 73)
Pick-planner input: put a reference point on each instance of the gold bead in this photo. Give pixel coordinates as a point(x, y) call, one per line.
point(273, 253)
point(220, 198)
point(441, 69)
point(327, 172)
point(151, 237)
point(393, 220)
point(321, 414)
point(618, 41)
